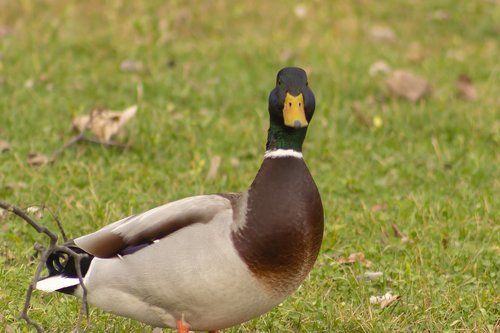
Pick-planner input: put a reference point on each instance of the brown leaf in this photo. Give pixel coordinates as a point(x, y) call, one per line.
point(377, 67)
point(287, 55)
point(9, 329)
point(28, 84)
point(3, 213)
point(382, 33)
point(35, 211)
point(399, 234)
point(415, 53)
point(214, 167)
point(385, 303)
point(405, 84)
point(371, 276)
point(234, 162)
point(105, 124)
point(131, 66)
point(378, 207)
point(36, 159)
point(4, 146)
point(440, 15)
point(465, 88)
point(444, 241)
point(385, 300)
point(6, 252)
point(300, 11)
point(4, 31)
point(361, 117)
point(353, 258)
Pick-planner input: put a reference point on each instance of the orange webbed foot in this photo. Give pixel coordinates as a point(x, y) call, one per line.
point(182, 327)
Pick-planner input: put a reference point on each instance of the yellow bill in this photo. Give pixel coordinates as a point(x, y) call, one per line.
point(293, 111)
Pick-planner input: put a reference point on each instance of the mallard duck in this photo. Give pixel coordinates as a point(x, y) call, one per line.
point(210, 262)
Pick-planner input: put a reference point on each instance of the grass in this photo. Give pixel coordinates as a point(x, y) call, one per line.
point(207, 69)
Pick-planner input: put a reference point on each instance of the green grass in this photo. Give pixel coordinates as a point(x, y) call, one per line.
point(207, 71)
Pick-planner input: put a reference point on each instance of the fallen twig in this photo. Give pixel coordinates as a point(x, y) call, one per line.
point(53, 247)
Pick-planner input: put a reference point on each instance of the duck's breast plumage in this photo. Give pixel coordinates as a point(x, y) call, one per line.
point(284, 226)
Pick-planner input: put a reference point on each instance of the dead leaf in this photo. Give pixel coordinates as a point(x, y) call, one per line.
point(378, 207)
point(444, 241)
point(465, 88)
point(353, 258)
point(385, 300)
point(300, 11)
point(234, 162)
point(104, 124)
point(357, 110)
point(4, 146)
point(35, 211)
point(415, 53)
point(456, 54)
point(16, 185)
point(385, 303)
point(3, 213)
point(157, 330)
point(382, 33)
point(287, 55)
point(405, 84)
point(28, 84)
point(131, 66)
point(399, 234)
point(9, 329)
point(4, 31)
point(214, 167)
point(372, 276)
point(379, 67)
point(36, 159)
point(440, 15)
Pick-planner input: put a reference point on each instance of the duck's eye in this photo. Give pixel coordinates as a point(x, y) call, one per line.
point(279, 82)
point(307, 83)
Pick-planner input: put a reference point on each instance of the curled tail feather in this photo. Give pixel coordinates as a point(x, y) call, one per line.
point(62, 271)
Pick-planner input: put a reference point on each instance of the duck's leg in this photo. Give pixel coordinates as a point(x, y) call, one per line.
point(182, 327)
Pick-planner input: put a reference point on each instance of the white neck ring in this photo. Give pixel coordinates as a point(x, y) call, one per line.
point(278, 153)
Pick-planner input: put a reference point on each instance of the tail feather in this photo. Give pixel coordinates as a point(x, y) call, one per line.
point(56, 282)
point(62, 271)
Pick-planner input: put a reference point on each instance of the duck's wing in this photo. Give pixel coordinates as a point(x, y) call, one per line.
point(152, 225)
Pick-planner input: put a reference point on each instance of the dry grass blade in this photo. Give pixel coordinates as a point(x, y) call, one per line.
point(53, 247)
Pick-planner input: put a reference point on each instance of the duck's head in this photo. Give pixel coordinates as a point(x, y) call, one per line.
point(291, 107)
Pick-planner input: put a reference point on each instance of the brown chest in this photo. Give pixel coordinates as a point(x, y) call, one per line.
point(282, 234)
